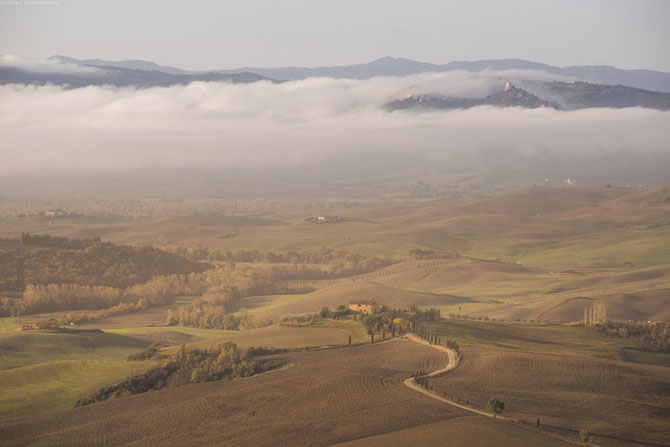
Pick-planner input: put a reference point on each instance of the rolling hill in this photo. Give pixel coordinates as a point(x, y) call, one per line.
point(328, 393)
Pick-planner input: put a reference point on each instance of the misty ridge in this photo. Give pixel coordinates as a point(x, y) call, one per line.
point(322, 128)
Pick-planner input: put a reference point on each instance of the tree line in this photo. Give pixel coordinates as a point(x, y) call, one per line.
point(157, 291)
point(654, 336)
point(47, 240)
point(216, 308)
point(325, 256)
point(219, 290)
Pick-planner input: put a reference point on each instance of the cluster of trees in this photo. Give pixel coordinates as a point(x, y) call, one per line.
point(339, 312)
point(393, 320)
point(220, 289)
point(652, 336)
point(325, 256)
point(119, 309)
point(45, 259)
point(154, 292)
point(224, 288)
point(323, 264)
point(11, 270)
point(480, 318)
point(422, 380)
point(202, 314)
point(192, 366)
point(47, 240)
point(303, 319)
point(428, 314)
point(104, 264)
point(419, 253)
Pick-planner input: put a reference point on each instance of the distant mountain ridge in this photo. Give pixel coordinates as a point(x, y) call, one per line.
point(132, 64)
point(120, 77)
point(144, 73)
point(388, 66)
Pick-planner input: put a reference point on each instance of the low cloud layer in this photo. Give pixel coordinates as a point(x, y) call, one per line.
point(260, 124)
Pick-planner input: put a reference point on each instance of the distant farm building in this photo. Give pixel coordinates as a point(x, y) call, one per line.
point(323, 219)
point(48, 324)
point(366, 307)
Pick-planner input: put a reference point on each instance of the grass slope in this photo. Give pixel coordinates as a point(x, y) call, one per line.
point(170, 335)
point(42, 371)
point(323, 333)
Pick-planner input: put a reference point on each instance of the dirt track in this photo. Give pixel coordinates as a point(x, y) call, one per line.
point(453, 363)
point(621, 404)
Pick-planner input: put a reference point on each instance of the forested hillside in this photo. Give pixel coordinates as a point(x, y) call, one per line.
point(40, 260)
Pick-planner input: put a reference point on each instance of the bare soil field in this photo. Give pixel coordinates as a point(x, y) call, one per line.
point(458, 432)
point(511, 291)
point(327, 397)
point(637, 306)
point(621, 404)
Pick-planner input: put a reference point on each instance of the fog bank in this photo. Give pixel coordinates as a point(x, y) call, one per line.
point(293, 123)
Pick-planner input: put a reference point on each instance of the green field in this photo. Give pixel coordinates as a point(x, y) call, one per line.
point(170, 335)
point(42, 371)
point(649, 358)
point(321, 333)
point(266, 302)
point(630, 247)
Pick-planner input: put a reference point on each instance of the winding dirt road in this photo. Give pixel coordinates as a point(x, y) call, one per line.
point(453, 363)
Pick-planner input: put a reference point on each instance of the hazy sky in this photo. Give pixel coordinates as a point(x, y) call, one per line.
point(236, 33)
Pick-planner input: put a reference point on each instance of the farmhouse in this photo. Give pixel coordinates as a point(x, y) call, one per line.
point(366, 307)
